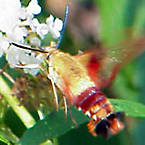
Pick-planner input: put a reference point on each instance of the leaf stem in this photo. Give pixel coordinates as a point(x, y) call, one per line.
point(12, 100)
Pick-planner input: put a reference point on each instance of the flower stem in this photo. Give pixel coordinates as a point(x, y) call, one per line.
point(12, 100)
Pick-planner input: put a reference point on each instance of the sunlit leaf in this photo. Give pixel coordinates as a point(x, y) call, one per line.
point(56, 124)
point(4, 141)
point(53, 125)
point(130, 108)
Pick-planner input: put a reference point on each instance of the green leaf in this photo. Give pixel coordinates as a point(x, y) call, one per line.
point(53, 125)
point(56, 124)
point(130, 108)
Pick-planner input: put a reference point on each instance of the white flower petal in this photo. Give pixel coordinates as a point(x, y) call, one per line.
point(33, 7)
point(50, 20)
point(4, 44)
point(35, 41)
point(42, 30)
point(33, 72)
point(9, 15)
point(17, 35)
point(58, 24)
point(23, 13)
point(31, 60)
point(34, 24)
point(1, 52)
point(24, 31)
point(13, 54)
point(55, 33)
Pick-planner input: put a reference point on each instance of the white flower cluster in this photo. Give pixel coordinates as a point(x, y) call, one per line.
point(16, 24)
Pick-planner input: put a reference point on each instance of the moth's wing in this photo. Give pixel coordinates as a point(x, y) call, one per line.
point(103, 64)
point(92, 62)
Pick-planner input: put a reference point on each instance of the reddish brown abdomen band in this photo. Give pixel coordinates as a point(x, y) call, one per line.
point(104, 120)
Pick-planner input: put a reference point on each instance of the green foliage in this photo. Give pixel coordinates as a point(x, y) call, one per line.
point(117, 17)
point(130, 108)
point(53, 124)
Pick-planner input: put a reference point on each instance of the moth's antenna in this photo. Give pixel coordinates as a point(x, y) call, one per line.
point(28, 48)
point(64, 25)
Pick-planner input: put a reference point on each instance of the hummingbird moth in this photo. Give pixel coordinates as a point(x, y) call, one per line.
point(81, 78)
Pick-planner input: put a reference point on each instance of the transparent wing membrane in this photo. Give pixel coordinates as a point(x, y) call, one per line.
point(103, 64)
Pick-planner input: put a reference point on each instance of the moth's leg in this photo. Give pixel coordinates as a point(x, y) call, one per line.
point(71, 116)
point(41, 116)
point(53, 87)
point(65, 106)
point(54, 91)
